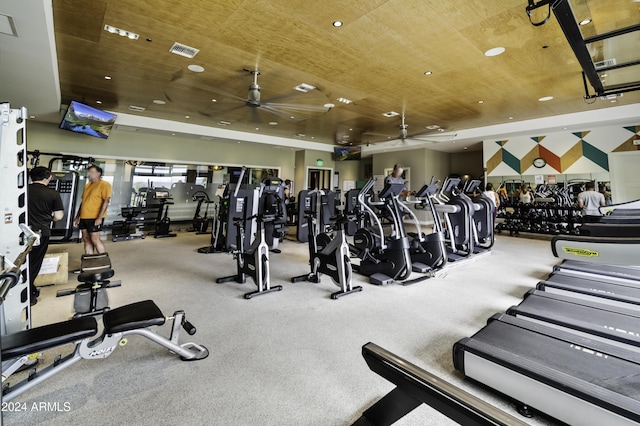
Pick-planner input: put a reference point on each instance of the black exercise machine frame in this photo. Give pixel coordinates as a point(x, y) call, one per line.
point(415, 386)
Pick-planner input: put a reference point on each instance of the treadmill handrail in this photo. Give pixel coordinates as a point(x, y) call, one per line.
point(429, 389)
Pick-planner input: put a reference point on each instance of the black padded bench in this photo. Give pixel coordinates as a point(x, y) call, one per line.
point(134, 316)
point(48, 336)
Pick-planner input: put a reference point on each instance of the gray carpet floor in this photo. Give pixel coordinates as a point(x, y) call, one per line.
point(286, 358)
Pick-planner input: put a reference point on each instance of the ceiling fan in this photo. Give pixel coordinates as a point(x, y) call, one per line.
point(404, 135)
point(253, 100)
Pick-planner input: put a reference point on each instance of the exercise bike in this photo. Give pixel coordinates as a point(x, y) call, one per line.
point(200, 224)
point(163, 222)
point(328, 255)
point(254, 260)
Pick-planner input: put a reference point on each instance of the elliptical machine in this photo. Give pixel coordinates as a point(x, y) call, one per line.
point(457, 210)
point(482, 218)
point(426, 249)
point(328, 254)
point(253, 260)
point(384, 260)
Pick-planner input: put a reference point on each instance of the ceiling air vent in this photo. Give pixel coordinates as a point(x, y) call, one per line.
point(136, 108)
point(184, 50)
point(604, 64)
point(304, 87)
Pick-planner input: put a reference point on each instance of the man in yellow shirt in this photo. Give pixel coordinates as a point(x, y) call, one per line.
point(93, 210)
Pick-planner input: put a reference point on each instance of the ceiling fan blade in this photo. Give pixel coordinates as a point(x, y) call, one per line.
point(297, 107)
point(379, 134)
point(221, 113)
point(281, 97)
point(279, 113)
point(206, 87)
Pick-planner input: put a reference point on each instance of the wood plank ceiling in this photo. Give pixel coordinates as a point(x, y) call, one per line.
point(377, 59)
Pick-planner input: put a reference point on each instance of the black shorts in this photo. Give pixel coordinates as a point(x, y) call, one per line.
point(90, 226)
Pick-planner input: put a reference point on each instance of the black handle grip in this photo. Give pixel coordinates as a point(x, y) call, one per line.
point(189, 328)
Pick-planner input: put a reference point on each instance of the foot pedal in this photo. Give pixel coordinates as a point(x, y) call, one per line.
point(380, 279)
point(420, 267)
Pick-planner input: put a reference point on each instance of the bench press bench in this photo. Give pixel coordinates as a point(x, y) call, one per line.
point(133, 319)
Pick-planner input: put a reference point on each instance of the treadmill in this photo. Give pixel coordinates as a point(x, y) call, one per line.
point(609, 292)
point(594, 320)
point(577, 380)
point(594, 271)
point(609, 230)
point(602, 250)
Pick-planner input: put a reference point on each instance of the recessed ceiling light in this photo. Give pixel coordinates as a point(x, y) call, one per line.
point(312, 137)
point(495, 51)
point(585, 21)
point(428, 72)
point(329, 105)
point(98, 101)
point(186, 116)
point(293, 116)
point(195, 68)
point(214, 100)
point(257, 128)
point(432, 127)
point(32, 116)
point(300, 135)
point(337, 23)
point(481, 101)
point(613, 101)
point(350, 130)
point(173, 134)
point(391, 114)
point(344, 100)
point(238, 141)
point(510, 118)
point(107, 77)
point(224, 123)
point(159, 101)
point(273, 123)
point(441, 130)
point(545, 98)
point(465, 147)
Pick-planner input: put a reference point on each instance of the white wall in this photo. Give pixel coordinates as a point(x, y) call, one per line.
point(47, 137)
point(625, 179)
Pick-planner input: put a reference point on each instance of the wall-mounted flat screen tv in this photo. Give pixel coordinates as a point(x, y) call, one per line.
point(81, 118)
point(342, 153)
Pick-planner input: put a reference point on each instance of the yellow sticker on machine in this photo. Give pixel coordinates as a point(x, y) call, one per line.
point(582, 252)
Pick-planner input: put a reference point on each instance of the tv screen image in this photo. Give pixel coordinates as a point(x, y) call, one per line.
point(81, 118)
point(342, 153)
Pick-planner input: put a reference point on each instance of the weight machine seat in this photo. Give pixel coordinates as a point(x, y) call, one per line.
point(48, 336)
point(135, 315)
point(90, 262)
point(95, 276)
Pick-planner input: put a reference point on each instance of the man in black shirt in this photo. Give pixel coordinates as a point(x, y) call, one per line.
point(44, 205)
